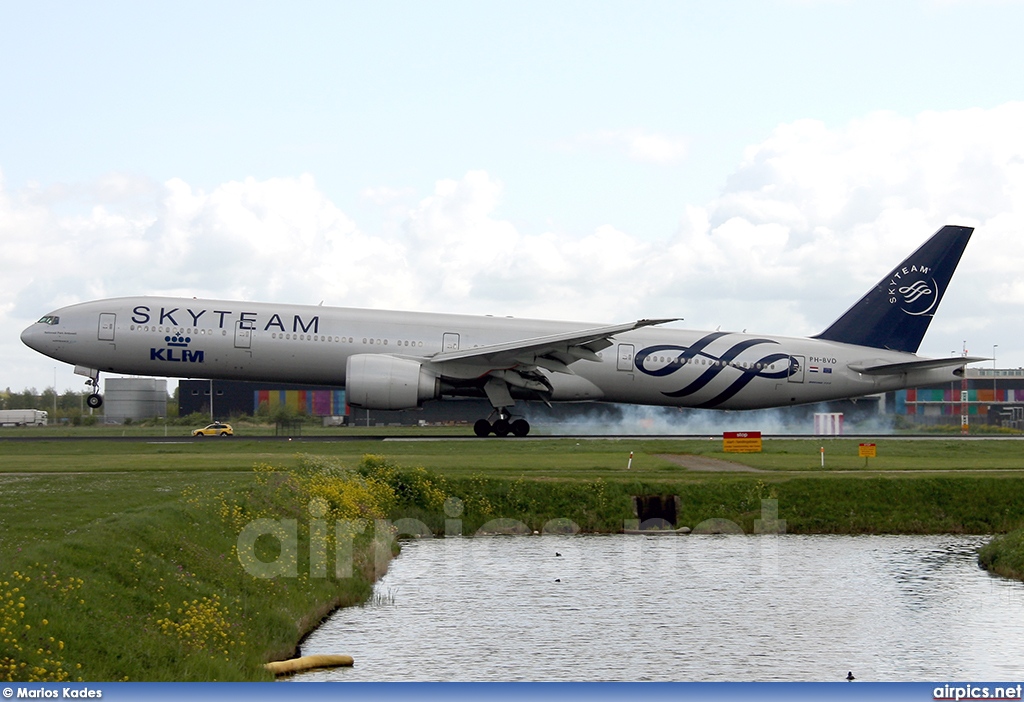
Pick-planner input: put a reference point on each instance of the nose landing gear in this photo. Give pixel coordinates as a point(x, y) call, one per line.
point(502, 426)
point(94, 399)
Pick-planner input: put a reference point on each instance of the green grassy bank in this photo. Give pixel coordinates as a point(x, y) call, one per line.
point(123, 560)
point(142, 576)
point(838, 505)
point(1004, 555)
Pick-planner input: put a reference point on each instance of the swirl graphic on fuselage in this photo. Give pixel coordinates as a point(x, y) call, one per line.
point(759, 368)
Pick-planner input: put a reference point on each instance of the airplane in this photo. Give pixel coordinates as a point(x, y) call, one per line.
point(394, 360)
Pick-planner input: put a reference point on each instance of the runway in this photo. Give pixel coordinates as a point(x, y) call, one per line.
point(468, 436)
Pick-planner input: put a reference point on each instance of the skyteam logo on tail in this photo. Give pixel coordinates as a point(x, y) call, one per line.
point(914, 290)
point(177, 351)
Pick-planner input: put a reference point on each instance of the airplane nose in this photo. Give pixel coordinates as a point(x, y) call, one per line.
point(32, 337)
point(26, 337)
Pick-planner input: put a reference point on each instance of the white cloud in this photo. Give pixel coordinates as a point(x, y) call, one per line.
point(386, 196)
point(810, 218)
point(637, 145)
point(856, 199)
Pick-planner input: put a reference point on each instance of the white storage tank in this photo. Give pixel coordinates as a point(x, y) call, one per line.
point(134, 398)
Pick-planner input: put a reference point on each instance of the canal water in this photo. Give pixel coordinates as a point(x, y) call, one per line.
point(682, 608)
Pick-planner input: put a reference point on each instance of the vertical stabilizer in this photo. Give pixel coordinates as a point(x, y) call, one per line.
point(896, 312)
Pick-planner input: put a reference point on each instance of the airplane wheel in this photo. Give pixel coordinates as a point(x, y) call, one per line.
point(501, 427)
point(520, 427)
point(482, 427)
point(94, 400)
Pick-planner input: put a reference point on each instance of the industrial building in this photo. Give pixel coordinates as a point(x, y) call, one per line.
point(993, 396)
point(986, 396)
point(232, 399)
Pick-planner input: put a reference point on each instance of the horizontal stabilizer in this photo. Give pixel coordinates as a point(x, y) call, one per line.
point(883, 368)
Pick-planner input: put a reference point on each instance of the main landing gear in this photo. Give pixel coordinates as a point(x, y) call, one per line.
point(502, 426)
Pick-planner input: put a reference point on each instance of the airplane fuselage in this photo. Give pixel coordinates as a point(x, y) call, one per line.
point(233, 340)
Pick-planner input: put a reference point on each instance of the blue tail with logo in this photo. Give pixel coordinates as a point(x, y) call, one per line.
point(896, 312)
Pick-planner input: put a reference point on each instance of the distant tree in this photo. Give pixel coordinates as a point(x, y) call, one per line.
point(70, 401)
point(284, 414)
point(26, 399)
point(48, 400)
point(199, 419)
point(263, 411)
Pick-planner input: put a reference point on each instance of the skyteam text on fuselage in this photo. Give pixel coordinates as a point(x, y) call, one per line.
point(392, 360)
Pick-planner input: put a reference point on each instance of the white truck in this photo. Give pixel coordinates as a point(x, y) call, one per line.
point(23, 418)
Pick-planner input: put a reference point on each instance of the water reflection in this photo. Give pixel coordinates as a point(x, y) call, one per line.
point(701, 607)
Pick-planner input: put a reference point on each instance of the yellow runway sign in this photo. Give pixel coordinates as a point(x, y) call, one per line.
point(741, 441)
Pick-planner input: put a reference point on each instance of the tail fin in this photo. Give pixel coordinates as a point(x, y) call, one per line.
point(896, 312)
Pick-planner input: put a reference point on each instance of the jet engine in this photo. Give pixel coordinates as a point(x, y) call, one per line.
point(383, 382)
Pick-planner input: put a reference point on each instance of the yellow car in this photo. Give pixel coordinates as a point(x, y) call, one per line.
point(215, 429)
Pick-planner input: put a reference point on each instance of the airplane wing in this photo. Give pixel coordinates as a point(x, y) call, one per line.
point(554, 352)
point(882, 368)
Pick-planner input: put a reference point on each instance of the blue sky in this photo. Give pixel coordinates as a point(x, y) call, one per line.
point(746, 164)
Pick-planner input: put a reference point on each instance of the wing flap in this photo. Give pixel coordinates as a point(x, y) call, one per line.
point(567, 347)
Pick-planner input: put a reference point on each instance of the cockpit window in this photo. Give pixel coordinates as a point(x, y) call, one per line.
point(50, 319)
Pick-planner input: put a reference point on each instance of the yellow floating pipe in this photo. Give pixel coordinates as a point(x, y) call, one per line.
point(295, 665)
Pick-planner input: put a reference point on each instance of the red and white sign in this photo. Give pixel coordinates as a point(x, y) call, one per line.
point(741, 441)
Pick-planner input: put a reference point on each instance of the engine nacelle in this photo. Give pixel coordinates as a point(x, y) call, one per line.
point(383, 382)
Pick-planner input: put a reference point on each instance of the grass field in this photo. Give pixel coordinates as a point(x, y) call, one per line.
point(126, 552)
point(581, 459)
